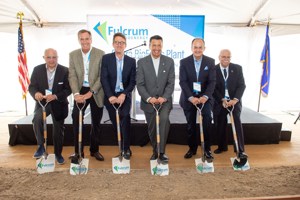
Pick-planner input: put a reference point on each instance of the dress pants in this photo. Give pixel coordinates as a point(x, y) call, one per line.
point(193, 134)
point(164, 127)
point(96, 116)
point(124, 114)
point(57, 130)
point(221, 124)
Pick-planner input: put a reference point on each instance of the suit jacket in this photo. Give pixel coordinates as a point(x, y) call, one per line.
point(76, 73)
point(150, 85)
point(61, 88)
point(187, 76)
point(235, 83)
point(109, 75)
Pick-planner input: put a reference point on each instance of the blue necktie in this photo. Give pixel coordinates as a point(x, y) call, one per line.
point(197, 69)
point(119, 76)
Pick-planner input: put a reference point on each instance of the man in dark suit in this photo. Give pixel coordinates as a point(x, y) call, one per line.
point(197, 80)
point(84, 78)
point(155, 84)
point(228, 92)
point(49, 83)
point(118, 73)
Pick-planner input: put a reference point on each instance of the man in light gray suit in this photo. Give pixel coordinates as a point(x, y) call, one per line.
point(84, 79)
point(155, 84)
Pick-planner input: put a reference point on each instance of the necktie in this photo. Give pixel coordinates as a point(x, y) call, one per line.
point(225, 73)
point(197, 69)
point(119, 76)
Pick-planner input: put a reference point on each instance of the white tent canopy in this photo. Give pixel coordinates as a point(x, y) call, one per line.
point(235, 24)
point(241, 13)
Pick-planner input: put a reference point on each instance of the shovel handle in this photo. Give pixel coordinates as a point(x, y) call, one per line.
point(199, 108)
point(80, 126)
point(44, 123)
point(117, 107)
point(157, 109)
point(233, 130)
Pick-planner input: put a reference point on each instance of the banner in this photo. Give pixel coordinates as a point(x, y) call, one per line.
point(177, 32)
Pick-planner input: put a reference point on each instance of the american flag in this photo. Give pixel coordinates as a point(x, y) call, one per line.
point(22, 66)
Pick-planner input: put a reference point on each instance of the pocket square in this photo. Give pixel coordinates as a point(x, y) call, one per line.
point(206, 68)
point(60, 83)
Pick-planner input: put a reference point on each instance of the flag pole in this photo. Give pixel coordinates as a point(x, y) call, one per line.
point(260, 91)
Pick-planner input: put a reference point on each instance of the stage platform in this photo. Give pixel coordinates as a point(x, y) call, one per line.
point(258, 129)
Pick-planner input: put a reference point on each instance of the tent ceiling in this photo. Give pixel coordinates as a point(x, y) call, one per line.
point(225, 12)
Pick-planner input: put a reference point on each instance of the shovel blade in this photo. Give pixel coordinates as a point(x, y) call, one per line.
point(45, 164)
point(204, 167)
point(120, 166)
point(80, 168)
point(241, 164)
point(158, 168)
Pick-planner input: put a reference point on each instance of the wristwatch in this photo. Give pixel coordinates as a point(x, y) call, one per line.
point(92, 91)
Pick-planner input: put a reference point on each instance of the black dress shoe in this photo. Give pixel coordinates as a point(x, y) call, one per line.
point(154, 156)
point(76, 155)
point(208, 155)
point(127, 154)
point(163, 157)
point(243, 155)
point(189, 154)
point(98, 156)
point(218, 151)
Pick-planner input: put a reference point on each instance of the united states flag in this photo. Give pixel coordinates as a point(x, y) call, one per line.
point(22, 67)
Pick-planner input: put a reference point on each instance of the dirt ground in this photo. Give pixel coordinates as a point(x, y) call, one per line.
point(27, 184)
point(275, 171)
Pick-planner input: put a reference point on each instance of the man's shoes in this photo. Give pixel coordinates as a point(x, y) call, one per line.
point(76, 155)
point(127, 154)
point(189, 154)
point(218, 151)
point(98, 156)
point(163, 157)
point(60, 160)
point(154, 156)
point(208, 155)
point(243, 155)
point(39, 152)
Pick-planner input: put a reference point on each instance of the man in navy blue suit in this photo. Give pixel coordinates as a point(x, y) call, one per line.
point(197, 80)
point(118, 74)
point(229, 90)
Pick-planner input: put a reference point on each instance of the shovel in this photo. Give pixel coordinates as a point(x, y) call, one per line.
point(203, 164)
point(81, 165)
point(119, 165)
point(47, 162)
point(158, 167)
point(237, 162)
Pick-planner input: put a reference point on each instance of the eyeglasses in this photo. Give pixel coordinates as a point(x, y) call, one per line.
point(51, 57)
point(119, 43)
point(225, 57)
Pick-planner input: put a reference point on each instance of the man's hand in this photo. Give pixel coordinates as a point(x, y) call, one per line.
point(195, 101)
point(39, 96)
point(121, 99)
point(87, 95)
point(50, 97)
point(79, 98)
point(112, 99)
point(153, 100)
point(161, 100)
